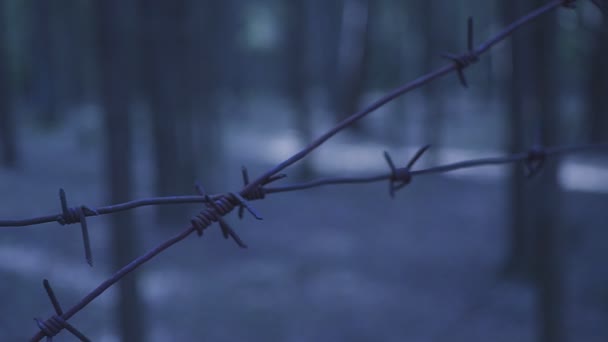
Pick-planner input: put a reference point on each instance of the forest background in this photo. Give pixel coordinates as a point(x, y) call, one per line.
point(116, 100)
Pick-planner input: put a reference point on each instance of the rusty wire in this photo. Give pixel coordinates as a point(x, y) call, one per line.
point(215, 207)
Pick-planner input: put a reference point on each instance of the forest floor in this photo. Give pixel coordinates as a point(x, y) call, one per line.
point(342, 263)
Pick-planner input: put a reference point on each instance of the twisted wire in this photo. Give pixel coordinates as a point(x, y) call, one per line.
point(52, 326)
point(220, 205)
point(213, 212)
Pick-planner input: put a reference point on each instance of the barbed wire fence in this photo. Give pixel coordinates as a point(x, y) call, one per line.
point(217, 206)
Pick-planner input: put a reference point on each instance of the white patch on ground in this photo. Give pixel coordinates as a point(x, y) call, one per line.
point(35, 262)
point(581, 176)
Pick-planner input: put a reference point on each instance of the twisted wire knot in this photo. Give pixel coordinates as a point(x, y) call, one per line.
point(256, 194)
point(466, 59)
point(213, 211)
point(535, 161)
point(401, 177)
point(52, 326)
point(70, 215)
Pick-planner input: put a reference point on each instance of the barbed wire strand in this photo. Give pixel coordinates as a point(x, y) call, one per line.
point(530, 160)
point(217, 206)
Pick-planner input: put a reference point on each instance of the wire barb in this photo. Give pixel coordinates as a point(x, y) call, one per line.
point(213, 212)
point(535, 161)
point(218, 206)
point(245, 175)
point(77, 215)
point(466, 59)
point(401, 177)
point(256, 193)
point(54, 325)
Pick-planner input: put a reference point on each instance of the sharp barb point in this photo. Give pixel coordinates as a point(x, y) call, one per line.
point(389, 160)
point(245, 204)
point(224, 227)
point(237, 239)
point(64, 201)
point(85, 237)
point(417, 156)
point(51, 294)
point(199, 189)
point(463, 80)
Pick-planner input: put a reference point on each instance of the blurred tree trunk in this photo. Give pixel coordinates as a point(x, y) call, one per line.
point(66, 56)
point(209, 59)
point(115, 36)
point(545, 195)
point(184, 52)
point(518, 258)
point(70, 52)
point(352, 59)
point(232, 57)
point(57, 58)
point(432, 33)
point(296, 60)
point(597, 84)
point(41, 47)
point(181, 80)
point(328, 18)
point(8, 135)
point(161, 87)
point(402, 12)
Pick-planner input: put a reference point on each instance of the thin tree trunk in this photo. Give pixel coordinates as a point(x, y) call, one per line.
point(545, 195)
point(433, 96)
point(297, 20)
point(330, 21)
point(115, 36)
point(401, 14)
point(209, 45)
point(517, 263)
point(183, 50)
point(160, 87)
point(41, 46)
point(597, 83)
point(64, 55)
point(8, 135)
point(352, 58)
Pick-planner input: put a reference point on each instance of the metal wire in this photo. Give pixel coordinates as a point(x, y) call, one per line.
point(219, 205)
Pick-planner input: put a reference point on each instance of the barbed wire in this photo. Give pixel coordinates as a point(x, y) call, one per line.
point(215, 207)
point(533, 160)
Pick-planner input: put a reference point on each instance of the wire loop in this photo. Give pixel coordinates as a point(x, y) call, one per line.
point(77, 215)
point(215, 210)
